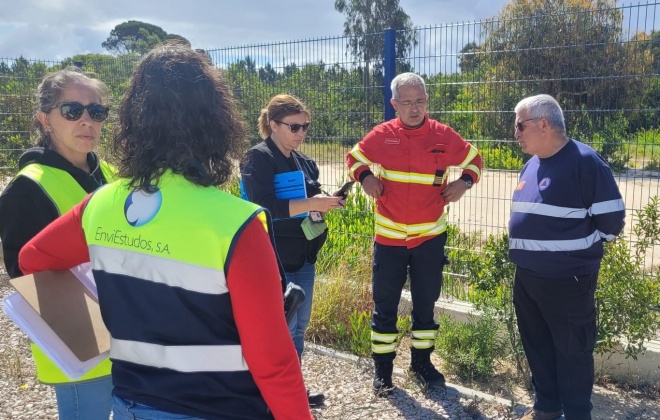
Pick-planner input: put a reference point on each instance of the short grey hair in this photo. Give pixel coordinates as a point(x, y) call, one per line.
point(544, 106)
point(406, 79)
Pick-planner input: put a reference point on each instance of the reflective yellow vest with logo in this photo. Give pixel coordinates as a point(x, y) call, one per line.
point(160, 236)
point(179, 236)
point(65, 192)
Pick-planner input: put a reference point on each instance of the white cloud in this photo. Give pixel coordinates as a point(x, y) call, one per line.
point(55, 29)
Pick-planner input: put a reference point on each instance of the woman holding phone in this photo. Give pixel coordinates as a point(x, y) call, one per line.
point(283, 125)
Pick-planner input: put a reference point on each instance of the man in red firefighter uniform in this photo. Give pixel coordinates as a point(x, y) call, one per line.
point(412, 154)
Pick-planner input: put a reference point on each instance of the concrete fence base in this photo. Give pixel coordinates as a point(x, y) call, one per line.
point(644, 370)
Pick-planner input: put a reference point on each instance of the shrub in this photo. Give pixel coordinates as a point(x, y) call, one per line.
point(360, 333)
point(340, 296)
point(350, 235)
point(501, 158)
point(645, 148)
point(491, 283)
point(652, 165)
point(469, 350)
point(627, 290)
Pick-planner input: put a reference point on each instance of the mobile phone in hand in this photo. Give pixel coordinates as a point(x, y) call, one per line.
point(343, 191)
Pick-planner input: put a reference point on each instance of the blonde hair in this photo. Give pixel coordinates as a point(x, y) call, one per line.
point(278, 107)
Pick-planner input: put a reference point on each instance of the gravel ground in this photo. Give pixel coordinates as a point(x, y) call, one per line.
point(345, 380)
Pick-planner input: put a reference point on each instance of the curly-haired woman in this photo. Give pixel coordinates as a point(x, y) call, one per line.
point(197, 329)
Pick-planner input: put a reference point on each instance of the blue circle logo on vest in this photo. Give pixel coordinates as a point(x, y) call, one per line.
point(140, 208)
point(544, 184)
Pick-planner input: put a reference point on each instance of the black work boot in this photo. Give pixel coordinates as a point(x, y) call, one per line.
point(424, 371)
point(383, 378)
point(315, 399)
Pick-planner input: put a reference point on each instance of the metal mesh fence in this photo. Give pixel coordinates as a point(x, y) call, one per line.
point(601, 65)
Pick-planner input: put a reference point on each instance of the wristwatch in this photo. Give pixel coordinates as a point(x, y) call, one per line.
point(468, 181)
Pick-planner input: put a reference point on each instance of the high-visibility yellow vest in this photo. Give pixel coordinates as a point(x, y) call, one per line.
point(175, 241)
point(65, 192)
point(214, 232)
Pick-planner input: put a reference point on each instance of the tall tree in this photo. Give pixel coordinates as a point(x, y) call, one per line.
point(655, 50)
point(570, 48)
point(573, 50)
point(364, 24)
point(136, 37)
point(470, 57)
point(365, 19)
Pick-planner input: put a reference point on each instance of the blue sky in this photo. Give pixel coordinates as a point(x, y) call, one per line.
point(56, 29)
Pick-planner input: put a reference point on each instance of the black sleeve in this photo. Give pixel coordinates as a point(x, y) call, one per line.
point(258, 175)
point(364, 174)
point(466, 178)
point(24, 211)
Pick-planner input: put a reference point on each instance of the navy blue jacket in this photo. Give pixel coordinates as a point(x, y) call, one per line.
point(563, 208)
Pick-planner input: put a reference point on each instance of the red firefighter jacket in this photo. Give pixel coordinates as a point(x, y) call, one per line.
point(412, 166)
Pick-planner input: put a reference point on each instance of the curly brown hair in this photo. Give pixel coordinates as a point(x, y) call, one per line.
point(178, 114)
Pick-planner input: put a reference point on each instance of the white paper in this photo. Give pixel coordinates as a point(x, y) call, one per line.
point(37, 330)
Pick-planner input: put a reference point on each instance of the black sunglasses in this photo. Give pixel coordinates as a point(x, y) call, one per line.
point(295, 127)
point(520, 127)
point(73, 111)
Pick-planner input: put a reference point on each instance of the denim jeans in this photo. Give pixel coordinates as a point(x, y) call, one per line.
point(128, 410)
point(89, 400)
point(304, 278)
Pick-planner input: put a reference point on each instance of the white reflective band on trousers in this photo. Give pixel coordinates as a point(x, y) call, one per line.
point(222, 358)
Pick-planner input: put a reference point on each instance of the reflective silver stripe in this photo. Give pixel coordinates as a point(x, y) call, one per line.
point(359, 156)
point(555, 246)
point(383, 338)
point(605, 207)
point(568, 212)
point(383, 222)
point(159, 270)
point(228, 358)
point(408, 177)
point(548, 210)
point(472, 153)
point(475, 169)
point(607, 237)
point(421, 344)
point(424, 334)
point(383, 348)
point(388, 233)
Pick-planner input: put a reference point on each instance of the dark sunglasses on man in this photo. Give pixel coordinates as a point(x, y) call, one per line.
point(295, 127)
point(73, 111)
point(520, 127)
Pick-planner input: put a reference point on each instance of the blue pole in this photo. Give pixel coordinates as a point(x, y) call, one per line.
point(389, 65)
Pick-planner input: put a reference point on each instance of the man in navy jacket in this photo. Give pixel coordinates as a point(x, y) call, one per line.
point(566, 205)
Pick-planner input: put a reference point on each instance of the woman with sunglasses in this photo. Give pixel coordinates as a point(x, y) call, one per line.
point(197, 328)
point(283, 125)
point(52, 178)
